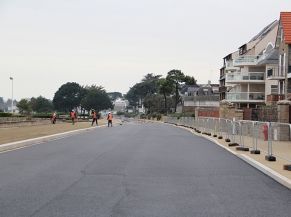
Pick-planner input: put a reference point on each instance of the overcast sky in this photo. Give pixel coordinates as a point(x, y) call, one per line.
point(114, 43)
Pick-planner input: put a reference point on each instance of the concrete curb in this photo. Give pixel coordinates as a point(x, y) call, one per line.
point(266, 170)
point(259, 166)
point(29, 142)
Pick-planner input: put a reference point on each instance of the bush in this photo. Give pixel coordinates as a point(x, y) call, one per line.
point(3, 114)
point(120, 113)
point(159, 117)
point(143, 116)
point(129, 115)
point(42, 115)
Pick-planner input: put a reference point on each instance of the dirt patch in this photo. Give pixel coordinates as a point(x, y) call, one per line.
point(14, 134)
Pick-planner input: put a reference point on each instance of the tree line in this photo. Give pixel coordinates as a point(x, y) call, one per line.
point(159, 94)
point(70, 96)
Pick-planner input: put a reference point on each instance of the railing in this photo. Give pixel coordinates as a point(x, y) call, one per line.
point(245, 96)
point(201, 98)
point(273, 73)
point(258, 76)
point(247, 60)
point(271, 138)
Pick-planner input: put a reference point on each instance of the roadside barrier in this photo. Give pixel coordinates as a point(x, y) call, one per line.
point(270, 138)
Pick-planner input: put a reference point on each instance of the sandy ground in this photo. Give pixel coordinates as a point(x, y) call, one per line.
point(14, 134)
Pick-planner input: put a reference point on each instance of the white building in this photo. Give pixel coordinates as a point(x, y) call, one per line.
point(244, 75)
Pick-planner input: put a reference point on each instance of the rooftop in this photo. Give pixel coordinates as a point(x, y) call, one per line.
point(285, 18)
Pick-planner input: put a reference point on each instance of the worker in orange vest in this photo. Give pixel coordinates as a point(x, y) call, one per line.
point(54, 117)
point(94, 117)
point(73, 116)
point(109, 119)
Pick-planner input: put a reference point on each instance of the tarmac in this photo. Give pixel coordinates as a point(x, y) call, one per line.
point(19, 137)
point(274, 169)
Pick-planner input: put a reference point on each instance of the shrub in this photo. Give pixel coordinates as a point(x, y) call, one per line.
point(42, 115)
point(159, 117)
point(143, 116)
point(120, 113)
point(3, 114)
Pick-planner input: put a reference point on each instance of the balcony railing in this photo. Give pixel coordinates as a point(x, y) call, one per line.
point(247, 60)
point(246, 96)
point(257, 76)
point(274, 74)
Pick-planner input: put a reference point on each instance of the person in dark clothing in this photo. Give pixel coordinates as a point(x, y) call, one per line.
point(94, 118)
point(109, 119)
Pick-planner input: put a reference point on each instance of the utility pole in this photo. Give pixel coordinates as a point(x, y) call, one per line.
point(11, 78)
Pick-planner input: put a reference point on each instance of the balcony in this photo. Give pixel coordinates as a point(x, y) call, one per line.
point(253, 77)
point(247, 60)
point(230, 67)
point(274, 74)
point(246, 97)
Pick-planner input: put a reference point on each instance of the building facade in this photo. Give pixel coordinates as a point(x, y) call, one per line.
point(243, 74)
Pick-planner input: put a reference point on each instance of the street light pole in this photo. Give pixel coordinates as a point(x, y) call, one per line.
point(11, 78)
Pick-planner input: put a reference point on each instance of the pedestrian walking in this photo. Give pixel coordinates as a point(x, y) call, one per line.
point(73, 116)
point(109, 119)
point(54, 118)
point(94, 118)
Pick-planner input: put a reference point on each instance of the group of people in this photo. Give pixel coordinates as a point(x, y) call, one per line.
point(95, 116)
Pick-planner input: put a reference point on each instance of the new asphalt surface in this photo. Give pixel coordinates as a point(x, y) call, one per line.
point(135, 170)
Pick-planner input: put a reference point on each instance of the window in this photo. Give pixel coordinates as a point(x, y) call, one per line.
point(269, 72)
point(274, 89)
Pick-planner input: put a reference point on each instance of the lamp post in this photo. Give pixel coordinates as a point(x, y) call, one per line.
point(11, 78)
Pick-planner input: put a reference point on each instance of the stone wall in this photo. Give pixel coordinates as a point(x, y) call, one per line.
point(207, 112)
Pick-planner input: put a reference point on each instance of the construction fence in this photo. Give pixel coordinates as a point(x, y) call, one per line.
point(271, 138)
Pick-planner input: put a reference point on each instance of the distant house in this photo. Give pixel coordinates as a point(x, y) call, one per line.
point(120, 105)
point(199, 96)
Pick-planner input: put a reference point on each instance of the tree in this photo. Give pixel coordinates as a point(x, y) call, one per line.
point(24, 106)
point(96, 98)
point(2, 104)
point(68, 96)
point(189, 80)
point(114, 95)
point(166, 88)
point(177, 78)
point(147, 87)
point(150, 84)
point(41, 104)
point(132, 97)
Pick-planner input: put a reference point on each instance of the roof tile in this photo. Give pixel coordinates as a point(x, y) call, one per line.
point(285, 18)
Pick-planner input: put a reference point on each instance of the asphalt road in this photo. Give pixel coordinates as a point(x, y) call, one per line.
point(135, 170)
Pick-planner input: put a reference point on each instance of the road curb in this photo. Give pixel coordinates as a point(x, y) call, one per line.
point(29, 142)
point(266, 170)
point(259, 166)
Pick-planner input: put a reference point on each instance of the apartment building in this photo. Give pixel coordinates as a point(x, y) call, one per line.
point(243, 74)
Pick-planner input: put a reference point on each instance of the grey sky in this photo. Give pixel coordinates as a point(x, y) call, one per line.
point(113, 43)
